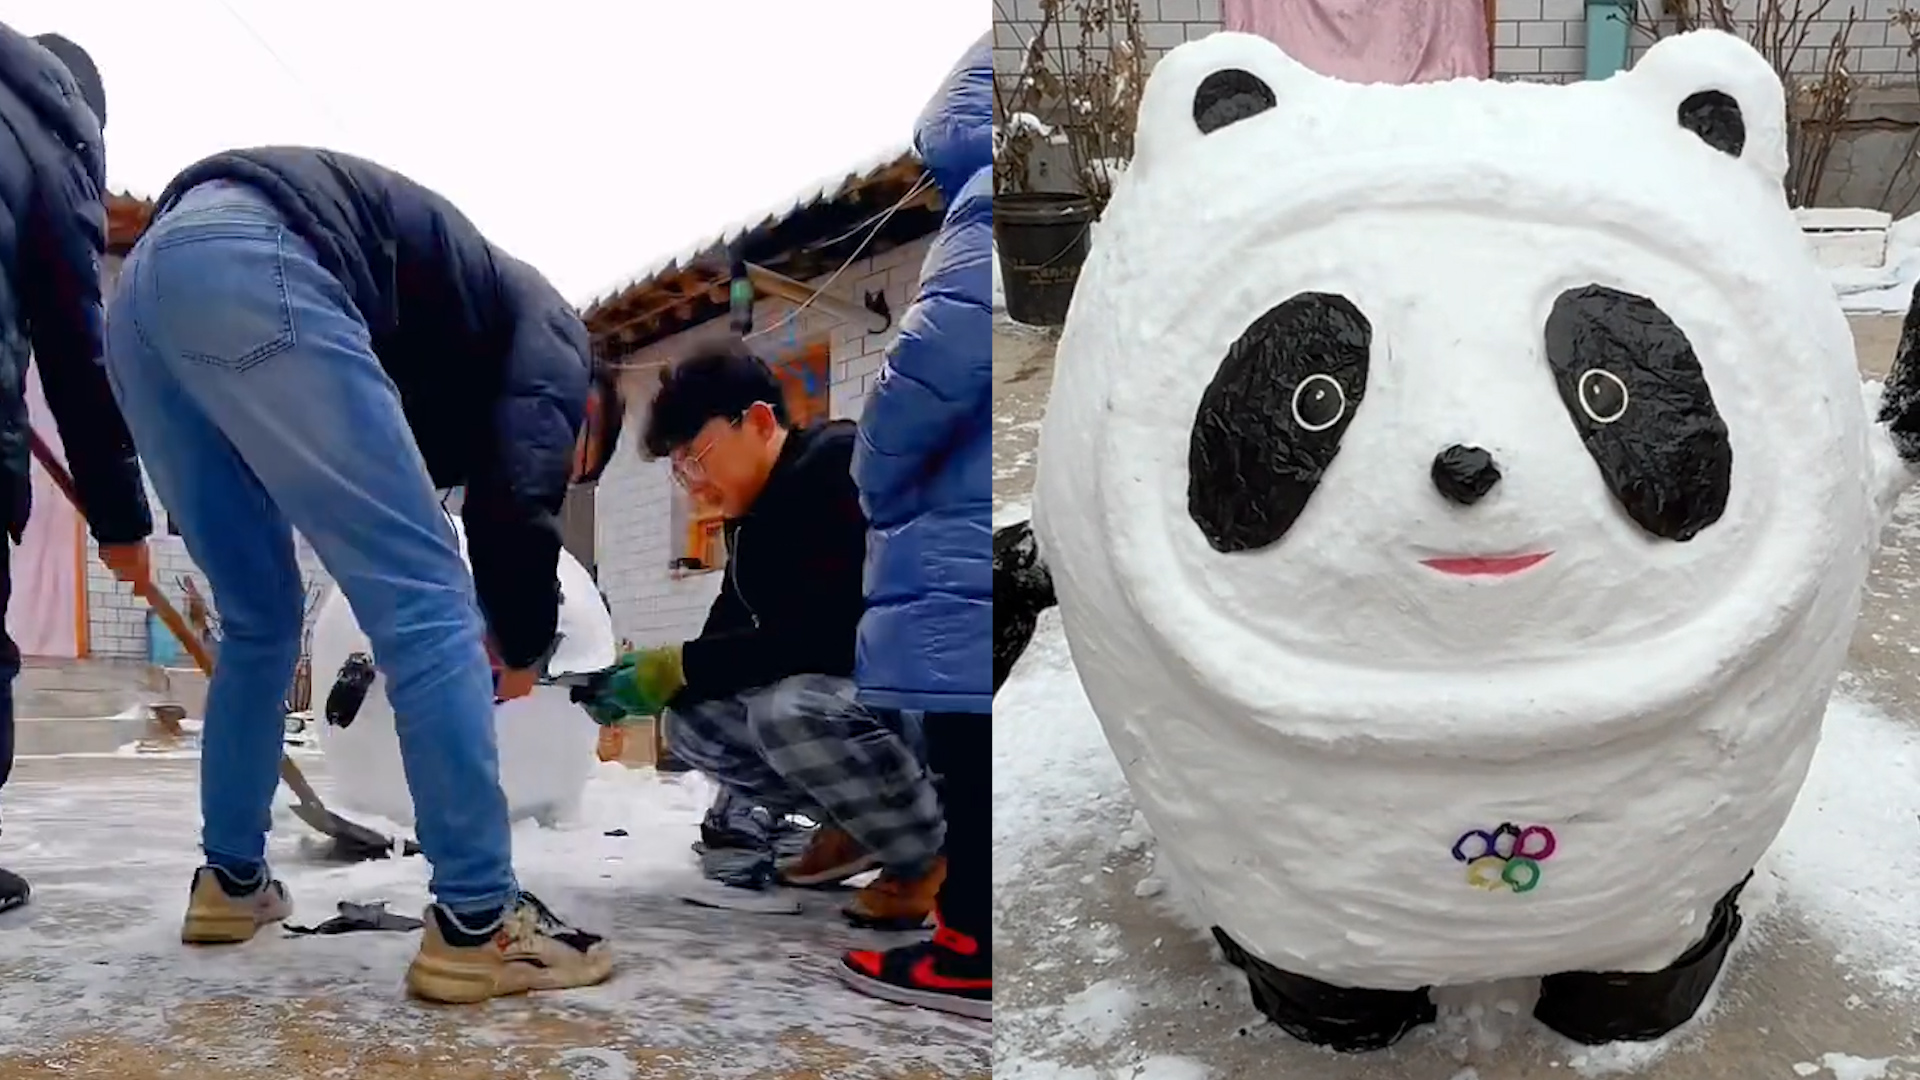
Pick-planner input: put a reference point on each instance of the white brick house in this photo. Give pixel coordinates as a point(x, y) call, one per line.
point(642, 519)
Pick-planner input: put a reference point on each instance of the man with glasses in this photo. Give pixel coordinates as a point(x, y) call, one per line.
point(763, 699)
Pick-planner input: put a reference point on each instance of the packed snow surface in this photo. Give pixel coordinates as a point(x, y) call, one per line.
point(110, 844)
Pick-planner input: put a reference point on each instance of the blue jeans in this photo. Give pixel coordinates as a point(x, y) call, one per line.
point(249, 381)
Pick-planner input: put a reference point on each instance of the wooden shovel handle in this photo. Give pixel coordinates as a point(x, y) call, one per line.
point(148, 591)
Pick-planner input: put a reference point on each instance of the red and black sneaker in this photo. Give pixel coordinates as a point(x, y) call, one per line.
point(950, 973)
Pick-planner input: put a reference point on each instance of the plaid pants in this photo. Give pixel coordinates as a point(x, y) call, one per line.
point(803, 745)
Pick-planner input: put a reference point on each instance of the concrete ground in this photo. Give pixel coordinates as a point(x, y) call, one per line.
point(1154, 1002)
point(94, 981)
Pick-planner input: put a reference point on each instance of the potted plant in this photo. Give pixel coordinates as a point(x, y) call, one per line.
point(1077, 91)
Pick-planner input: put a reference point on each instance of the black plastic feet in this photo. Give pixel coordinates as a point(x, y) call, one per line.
point(1022, 589)
point(1584, 1006)
point(1595, 1008)
point(1337, 1017)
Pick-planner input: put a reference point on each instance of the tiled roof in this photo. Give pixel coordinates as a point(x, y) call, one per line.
point(827, 188)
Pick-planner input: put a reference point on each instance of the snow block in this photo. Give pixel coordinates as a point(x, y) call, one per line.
point(547, 743)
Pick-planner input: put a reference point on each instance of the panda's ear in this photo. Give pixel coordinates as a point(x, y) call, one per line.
point(1721, 90)
point(1204, 88)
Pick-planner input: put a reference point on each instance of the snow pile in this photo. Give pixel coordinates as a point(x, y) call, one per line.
point(1885, 289)
point(718, 994)
point(1850, 853)
point(546, 742)
point(1851, 1067)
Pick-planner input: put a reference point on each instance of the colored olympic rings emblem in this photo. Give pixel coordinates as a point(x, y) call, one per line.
point(1508, 857)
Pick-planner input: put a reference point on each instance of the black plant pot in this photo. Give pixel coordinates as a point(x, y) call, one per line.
point(1042, 238)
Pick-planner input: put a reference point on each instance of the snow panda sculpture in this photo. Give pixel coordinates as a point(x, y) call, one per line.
point(547, 743)
point(1459, 499)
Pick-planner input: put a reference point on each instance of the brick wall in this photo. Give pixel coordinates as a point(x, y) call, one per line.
point(640, 513)
point(1540, 40)
point(117, 620)
point(1535, 40)
point(1545, 40)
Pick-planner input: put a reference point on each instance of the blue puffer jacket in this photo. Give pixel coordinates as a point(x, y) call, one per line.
point(924, 462)
point(52, 238)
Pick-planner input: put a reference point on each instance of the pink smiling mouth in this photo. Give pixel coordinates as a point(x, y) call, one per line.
point(1486, 566)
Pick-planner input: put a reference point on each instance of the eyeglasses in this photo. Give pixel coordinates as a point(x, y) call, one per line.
point(687, 469)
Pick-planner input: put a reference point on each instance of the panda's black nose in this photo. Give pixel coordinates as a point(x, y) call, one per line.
point(1464, 474)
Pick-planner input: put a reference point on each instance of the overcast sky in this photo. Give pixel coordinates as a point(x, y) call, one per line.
point(589, 137)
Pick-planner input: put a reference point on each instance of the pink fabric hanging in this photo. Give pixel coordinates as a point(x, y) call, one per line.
point(1373, 41)
point(43, 616)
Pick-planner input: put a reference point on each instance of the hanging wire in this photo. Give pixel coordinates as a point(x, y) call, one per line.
point(318, 100)
point(886, 216)
point(878, 221)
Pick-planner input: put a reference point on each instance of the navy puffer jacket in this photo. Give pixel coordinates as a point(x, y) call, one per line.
point(52, 239)
point(492, 364)
point(924, 462)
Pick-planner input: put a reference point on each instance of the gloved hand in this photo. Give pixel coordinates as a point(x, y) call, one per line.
point(640, 684)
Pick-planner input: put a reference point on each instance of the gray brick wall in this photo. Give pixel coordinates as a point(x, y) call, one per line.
point(117, 620)
point(1540, 40)
point(1535, 40)
point(1167, 23)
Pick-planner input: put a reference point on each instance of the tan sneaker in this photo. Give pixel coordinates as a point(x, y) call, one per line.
point(897, 902)
point(528, 949)
point(220, 913)
point(832, 856)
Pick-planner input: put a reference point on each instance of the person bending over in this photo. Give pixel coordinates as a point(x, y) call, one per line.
point(304, 340)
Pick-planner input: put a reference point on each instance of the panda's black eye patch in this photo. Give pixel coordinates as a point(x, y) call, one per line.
point(1228, 97)
point(1716, 118)
point(1640, 401)
point(1270, 422)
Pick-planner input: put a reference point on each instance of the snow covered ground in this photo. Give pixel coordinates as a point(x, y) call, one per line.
point(1889, 288)
point(1105, 974)
point(94, 982)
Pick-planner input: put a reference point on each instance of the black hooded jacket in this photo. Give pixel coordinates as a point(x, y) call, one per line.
point(53, 237)
point(791, 601)
point(492, 364)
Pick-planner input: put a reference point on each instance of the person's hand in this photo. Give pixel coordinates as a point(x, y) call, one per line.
point(639, 684)
point(514, 683)
point(130, 563)
point(658, 675)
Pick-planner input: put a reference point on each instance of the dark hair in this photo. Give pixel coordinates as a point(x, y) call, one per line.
point(613, 415)
point(722, 379)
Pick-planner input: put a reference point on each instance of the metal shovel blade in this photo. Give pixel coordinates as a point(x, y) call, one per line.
point(352, 841)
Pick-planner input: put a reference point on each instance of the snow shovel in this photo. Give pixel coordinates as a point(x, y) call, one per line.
point(352, 842)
